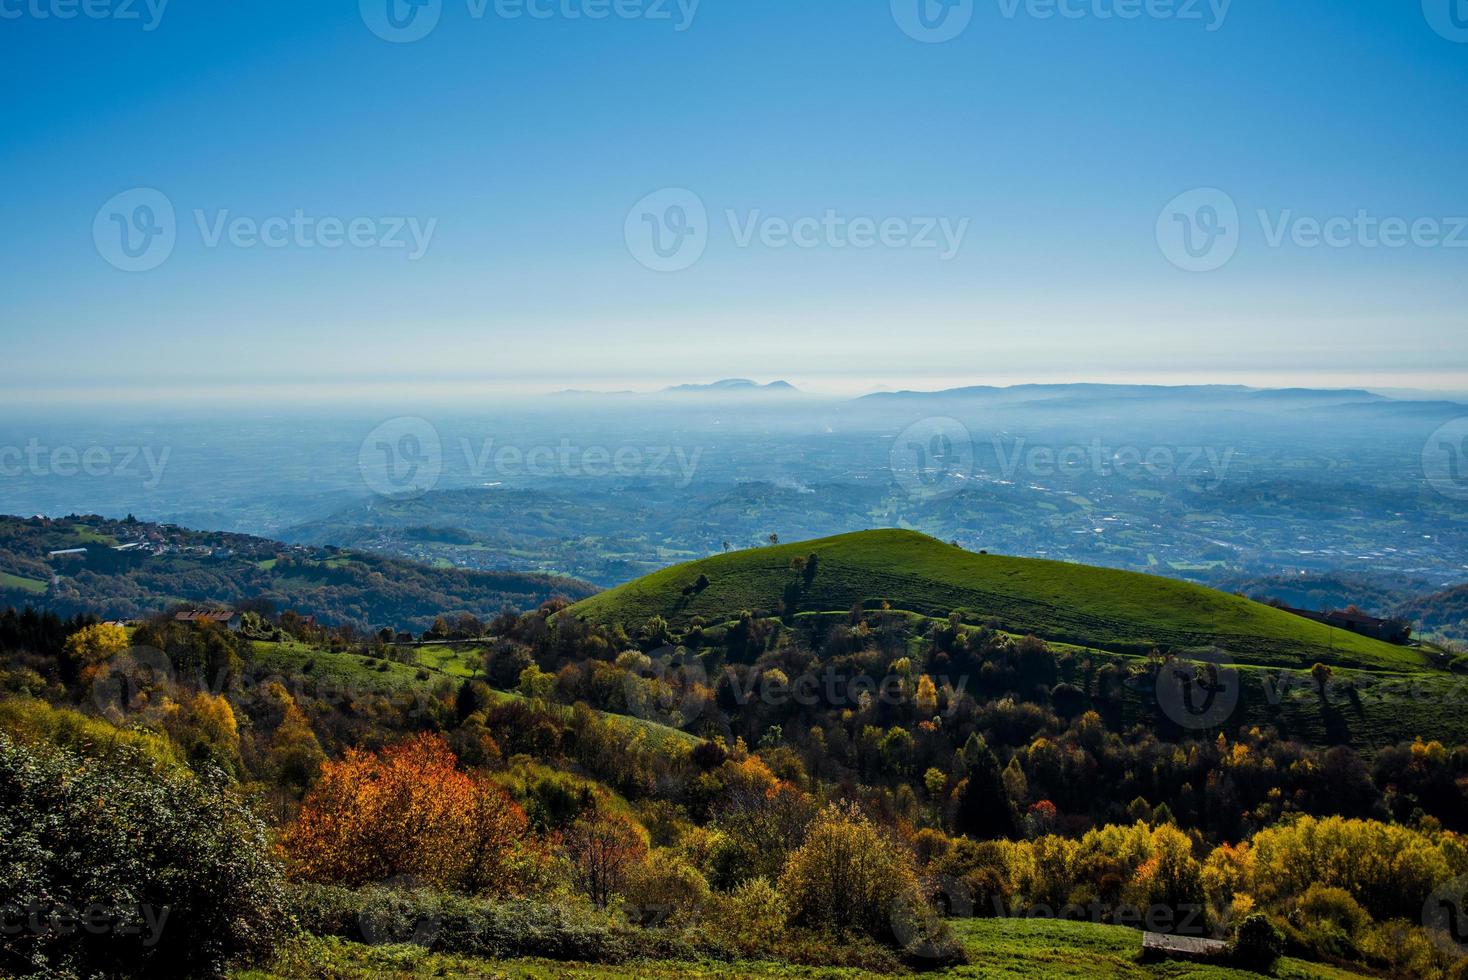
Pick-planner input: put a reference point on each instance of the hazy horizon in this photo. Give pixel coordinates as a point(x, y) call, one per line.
point(465, 392)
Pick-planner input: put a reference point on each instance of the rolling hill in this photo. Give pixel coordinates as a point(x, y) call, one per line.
point(1126, 612)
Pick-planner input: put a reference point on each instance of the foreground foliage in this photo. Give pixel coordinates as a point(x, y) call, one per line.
point(176, 867)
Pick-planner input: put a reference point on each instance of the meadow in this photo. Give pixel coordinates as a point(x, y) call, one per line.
point(998, 949)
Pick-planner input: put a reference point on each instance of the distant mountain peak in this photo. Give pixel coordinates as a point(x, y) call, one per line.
point(734, 385)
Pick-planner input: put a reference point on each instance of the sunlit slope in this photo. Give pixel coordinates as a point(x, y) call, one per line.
point(1100, 607)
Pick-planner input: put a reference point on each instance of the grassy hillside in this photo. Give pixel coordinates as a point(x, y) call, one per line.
point(432, 666)
point(1117, 610)
point(1023, 949)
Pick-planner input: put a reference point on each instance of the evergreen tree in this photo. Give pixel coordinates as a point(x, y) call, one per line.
point(985, 810)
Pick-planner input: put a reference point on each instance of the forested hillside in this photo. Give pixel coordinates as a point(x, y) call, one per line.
point(128, 569)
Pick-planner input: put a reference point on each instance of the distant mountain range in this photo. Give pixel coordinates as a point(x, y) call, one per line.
point(736, 385)
point(1084, 395)
point(1074, 392)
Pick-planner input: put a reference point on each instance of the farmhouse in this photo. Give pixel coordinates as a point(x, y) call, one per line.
point(1354, 621)
point(1157, 946)
point(227, 618)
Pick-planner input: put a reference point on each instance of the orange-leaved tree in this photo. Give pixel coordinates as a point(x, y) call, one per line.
point(602, 848)
point(408, 810)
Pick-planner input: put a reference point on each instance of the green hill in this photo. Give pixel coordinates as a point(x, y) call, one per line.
point(1105, 608)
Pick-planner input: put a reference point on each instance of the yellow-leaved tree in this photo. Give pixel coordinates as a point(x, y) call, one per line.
point(849, 875)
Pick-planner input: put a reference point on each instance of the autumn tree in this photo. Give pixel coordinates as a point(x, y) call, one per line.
point(93, 645)
point(602, 847)
point(293, 756)
point(408, 810)
point(849, 875)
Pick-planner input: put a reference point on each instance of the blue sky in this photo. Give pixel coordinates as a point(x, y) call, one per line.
point(518, 147)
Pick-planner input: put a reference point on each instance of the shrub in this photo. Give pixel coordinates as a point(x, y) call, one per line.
point(849, 876)
point(1328, 921)
point(147, 845)
point(485, 928)
point(1402, 949)
point(665, 890)
point(1258, 944)
point(751, 918)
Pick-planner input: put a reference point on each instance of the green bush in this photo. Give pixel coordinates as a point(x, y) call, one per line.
point(494, 930)
point(173, 873)
point(1258, 944)
point(1326, 922)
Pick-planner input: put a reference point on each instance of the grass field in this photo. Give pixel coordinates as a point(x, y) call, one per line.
point(338, 670)
point(88, 535)
point(33, 586)
point(1106, 608)
point(1045, 949)
point(999, 949)
point(455, 661)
